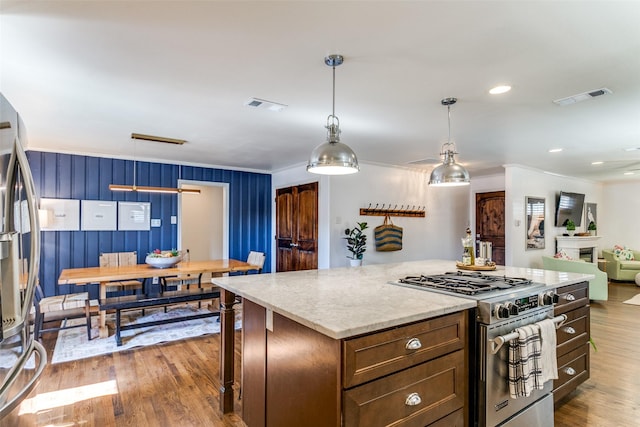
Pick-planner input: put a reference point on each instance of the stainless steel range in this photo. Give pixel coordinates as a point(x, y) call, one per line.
point(474, 285)
point(504, 304)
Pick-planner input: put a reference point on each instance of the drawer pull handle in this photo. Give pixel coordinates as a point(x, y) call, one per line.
point(413, 400)
point(569, 330)
point(570, 297)
point(569, 371)
point(413, 344)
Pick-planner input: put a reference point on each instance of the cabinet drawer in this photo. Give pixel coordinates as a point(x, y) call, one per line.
point(373, 356)
point(574, 332)
point(439, 383)
point(455, 419)
point(571, 297)
point(573, 369)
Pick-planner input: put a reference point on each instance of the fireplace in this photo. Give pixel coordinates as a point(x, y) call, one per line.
point(588, 255)
point(579, 247)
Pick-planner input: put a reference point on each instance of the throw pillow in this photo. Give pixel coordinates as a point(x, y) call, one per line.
point(623, 253)
point(562, 255)
point(617, 249)
point(626, 254)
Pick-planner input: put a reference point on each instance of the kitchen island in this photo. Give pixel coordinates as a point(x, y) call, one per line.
point(326, 340)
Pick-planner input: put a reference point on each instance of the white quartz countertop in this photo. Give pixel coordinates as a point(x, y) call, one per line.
point(345, 302)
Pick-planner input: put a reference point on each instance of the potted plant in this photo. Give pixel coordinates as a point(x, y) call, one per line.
point(592, 228)
point(571, 227)
point(356, 242)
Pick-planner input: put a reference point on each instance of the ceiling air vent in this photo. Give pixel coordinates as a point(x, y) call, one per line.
point(262, 103)
point(582, 96)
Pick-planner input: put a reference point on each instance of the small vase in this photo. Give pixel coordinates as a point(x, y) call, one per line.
point(592, 232)
point(571, 232)
point(355, 262)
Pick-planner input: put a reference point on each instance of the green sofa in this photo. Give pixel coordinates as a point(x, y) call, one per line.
point(598, 287)
point(619, 269)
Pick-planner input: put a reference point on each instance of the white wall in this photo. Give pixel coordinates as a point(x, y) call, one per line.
point(618, 215)
point(341, 197)
point(522, 181)
point(436, 236)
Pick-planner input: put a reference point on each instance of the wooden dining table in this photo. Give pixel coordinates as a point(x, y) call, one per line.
point(105, 275)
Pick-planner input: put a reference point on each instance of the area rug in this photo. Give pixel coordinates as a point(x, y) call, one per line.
point(72, 344)
point(635, 300)
point(10, 350)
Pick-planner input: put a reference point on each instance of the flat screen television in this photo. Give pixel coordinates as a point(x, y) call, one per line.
point(569, 206)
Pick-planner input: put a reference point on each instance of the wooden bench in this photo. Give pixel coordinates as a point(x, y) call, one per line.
point(131, 302)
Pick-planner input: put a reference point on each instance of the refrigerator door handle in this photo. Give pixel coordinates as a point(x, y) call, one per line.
point(34, 347)
point(19, 160)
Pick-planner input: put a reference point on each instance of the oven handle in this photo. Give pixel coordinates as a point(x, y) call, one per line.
point(498, 342)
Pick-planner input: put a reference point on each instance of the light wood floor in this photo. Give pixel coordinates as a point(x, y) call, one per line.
point(611, 397)
point(173, 384)
point(176, 384)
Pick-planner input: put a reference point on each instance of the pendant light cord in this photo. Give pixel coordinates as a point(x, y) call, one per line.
point(449, 117)
point(333, 108)
point(135, 149)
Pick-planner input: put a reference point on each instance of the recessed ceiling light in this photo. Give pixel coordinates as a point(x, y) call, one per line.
point(632, 149)
point(500, 89)
point(555, 150)
point(628, 173)
point(597, 163)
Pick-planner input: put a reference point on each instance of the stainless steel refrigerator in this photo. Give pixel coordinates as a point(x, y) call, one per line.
point(22, 358)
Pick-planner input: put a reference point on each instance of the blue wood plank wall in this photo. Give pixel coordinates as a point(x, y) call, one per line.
point(66, 176)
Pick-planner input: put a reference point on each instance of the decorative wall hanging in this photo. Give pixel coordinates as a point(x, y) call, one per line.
point(61, 214)
point(99, 215)
point(134, 216)
point(591, 218)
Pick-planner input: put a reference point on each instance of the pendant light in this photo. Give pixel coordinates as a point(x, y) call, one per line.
point(449, 173)
point(141, 189)
point(333, 157)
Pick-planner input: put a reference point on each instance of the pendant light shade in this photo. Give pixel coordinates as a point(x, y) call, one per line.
point(449, 173)
point(333, 157)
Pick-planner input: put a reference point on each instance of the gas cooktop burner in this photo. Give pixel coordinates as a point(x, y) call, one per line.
point(474, 283)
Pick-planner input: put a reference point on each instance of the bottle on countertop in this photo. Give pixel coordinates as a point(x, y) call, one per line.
point(468, 254)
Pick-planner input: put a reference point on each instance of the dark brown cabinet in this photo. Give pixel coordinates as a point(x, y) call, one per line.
point(412, 375)
point(573, 339)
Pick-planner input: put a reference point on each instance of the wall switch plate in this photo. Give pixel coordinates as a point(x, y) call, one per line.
point(174, 219)
point(156, 222)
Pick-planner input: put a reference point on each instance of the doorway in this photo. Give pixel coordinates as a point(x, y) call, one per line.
point(203, 220)
point(297, 228)
point(490, 226)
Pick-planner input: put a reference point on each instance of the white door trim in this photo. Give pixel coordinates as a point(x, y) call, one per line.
point(225, 210)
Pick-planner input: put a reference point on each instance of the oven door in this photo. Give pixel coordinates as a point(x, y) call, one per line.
point(495, 405)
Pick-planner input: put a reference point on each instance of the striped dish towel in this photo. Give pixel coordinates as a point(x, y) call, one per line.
point(525, 374)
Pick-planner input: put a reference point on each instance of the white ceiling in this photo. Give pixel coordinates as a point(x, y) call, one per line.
point(86, 74)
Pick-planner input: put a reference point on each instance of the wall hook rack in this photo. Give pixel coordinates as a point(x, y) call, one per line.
point(393, 210)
